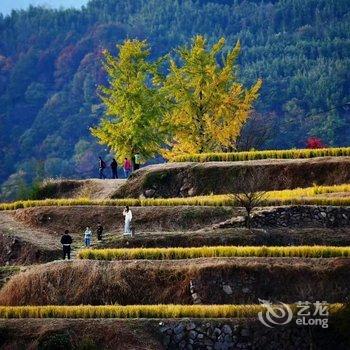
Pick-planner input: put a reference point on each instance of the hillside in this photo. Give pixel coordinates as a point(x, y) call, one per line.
point(50, 68)
point(192, 275)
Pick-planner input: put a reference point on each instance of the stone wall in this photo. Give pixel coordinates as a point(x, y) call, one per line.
point(293, 216)
point(302, 216)
point(240, 334)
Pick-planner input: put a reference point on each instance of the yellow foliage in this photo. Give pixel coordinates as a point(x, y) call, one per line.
point(283, 197)
point(255, 155)
point(210, 106)
point(140, 311)
point(214, 252)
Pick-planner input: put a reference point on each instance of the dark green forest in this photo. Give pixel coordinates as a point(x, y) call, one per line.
point(50, 67)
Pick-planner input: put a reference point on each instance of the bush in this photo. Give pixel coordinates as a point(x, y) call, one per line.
point(56, 341)
point(87, 344)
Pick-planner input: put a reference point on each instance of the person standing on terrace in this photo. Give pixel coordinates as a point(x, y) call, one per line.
point(66, 241)
point(87, 237)
point(101, 168)
point(127, 167)
point(128, 217)
point(114, 167)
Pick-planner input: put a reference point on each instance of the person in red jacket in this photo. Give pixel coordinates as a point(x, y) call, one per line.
point(127, 167)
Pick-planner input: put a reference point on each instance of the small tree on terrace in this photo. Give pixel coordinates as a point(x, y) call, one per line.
point(134, 106)
point(249, 190)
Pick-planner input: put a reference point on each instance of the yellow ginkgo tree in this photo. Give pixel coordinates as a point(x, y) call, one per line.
point(133, 102)
point(209, 105)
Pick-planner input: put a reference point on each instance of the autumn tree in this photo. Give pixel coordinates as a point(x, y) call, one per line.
point(209, 105)
point(134, 106)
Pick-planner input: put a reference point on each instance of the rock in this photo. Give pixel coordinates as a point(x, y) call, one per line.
point(216, 332)
point(191, 192)
point(192, 334)
point(190, 326)
point(245, 332)
point(178, 337)
point(228, 338)
point(227, 289)
point(217, 346)
point(195, 296)
point(166, 340)
point(179, 328)
point(208, 342)
point(163, 329)
point(226, 329)
point(182, 344)
point(150, 193)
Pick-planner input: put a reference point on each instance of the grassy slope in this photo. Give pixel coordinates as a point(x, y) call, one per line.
point(231, 236)
point(163, 282)
point(188, 179)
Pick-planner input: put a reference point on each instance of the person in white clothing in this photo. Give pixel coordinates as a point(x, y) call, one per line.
point(128, 217)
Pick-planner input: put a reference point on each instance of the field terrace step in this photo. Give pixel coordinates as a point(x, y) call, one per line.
point(231, 236)
point(215, 281)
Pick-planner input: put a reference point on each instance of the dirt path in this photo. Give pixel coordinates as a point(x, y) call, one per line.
point(37, 237)
point(89, 188)
point(99, 189)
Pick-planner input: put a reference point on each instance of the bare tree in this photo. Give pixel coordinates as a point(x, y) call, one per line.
point(249, 190)
point(257, 130)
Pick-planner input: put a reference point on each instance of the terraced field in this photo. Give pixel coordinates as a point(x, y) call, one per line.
point(191, 277)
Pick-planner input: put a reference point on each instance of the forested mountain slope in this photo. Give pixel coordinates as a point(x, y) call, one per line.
point(50, 66)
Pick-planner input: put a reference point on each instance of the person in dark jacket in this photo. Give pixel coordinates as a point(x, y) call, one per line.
point(101, 168)
point(137, 161)
point(99, 231)
point(66, 241)
point(114, 167)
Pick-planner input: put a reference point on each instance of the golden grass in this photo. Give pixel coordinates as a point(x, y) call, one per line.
point(307, 196)
point(267, 154)
point(139, 311)
point(210, 252)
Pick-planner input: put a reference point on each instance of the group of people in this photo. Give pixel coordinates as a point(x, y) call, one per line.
point(128, 166)
point(67, 240)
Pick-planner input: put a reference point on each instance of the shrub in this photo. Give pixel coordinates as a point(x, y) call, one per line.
point(314, 143)
point(87, 344)
point(56, 341)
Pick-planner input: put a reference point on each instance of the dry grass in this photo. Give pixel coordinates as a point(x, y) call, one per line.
point(150, 282)
point(210, 252)
point(268, 154)
point(139, 311)
point(308, 196)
